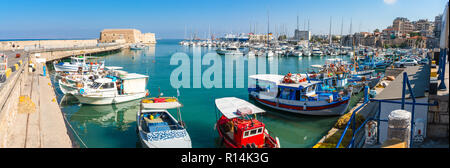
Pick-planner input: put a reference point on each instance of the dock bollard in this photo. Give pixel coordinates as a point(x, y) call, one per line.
point(366, 93)
point(399, 126)
point(44, 69)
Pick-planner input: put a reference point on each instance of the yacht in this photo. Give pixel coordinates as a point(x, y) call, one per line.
point(316, 52)
point(231, 50)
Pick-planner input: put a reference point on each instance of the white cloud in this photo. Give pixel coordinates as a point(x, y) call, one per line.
point(389, 2)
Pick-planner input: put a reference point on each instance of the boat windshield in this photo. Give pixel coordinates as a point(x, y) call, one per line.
point(95, 85)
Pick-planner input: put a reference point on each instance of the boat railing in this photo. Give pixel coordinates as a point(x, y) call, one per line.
point(406, 83)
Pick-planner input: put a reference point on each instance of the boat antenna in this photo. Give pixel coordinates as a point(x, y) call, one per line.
point(160, 93)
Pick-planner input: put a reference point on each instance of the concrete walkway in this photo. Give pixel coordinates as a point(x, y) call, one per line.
point(43, 125)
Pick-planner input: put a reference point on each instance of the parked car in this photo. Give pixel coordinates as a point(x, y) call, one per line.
point(405, 62)
point(423, 61)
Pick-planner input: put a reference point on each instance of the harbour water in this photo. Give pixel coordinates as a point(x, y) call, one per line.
point(114, 126)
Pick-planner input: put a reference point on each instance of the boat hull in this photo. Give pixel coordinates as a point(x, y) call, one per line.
point(98, 100)
point(311, 108)
point(66, 88)
point(73, 68)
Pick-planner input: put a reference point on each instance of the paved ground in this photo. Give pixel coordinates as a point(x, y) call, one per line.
point(418, 77)
point(43, 127)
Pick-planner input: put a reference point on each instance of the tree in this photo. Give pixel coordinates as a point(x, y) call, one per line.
point(376, 31)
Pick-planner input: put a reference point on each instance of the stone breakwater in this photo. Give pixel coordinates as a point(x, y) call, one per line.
point(31, 44)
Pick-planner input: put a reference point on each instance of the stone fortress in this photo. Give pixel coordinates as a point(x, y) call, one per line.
point(126, 36)
point(120, 36)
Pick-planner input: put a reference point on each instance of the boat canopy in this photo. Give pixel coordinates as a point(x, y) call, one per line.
point(104, 80)
point(161, 105)
point(133, 76)
point(230, 107)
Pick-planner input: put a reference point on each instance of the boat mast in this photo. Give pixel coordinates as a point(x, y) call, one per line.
point(329, 36)
point(267, 28)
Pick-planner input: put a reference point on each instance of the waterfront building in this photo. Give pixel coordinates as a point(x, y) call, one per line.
point(417, 42)
point(302, 35)
point(402, 26)
point(424, 27)
point(129, 35)
point(260, 37)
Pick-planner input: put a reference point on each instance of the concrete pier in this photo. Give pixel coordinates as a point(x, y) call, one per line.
point(30, 116)
point(41, 125)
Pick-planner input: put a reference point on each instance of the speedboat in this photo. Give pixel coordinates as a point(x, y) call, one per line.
point(113, 89)
point(158, 128)
point(299, 94)
point(238, 126)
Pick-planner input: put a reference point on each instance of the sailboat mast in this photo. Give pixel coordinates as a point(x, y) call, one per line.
point(268, 30)
point(330, 31)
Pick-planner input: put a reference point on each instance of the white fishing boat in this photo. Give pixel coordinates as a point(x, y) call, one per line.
point(158, 128)
point(296, 94)
point(113, 89)
point(77, 63)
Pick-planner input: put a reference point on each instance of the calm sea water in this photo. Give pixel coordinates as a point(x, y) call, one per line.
point(114, 126)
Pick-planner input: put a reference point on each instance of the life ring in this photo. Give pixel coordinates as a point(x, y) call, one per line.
point(81, 91)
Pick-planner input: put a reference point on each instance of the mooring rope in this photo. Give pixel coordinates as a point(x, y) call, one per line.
point(68, 123)
point(79, 138)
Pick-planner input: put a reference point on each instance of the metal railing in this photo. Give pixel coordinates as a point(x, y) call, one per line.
point(406, 83)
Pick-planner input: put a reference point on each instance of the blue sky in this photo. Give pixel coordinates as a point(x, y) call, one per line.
point(21, 19)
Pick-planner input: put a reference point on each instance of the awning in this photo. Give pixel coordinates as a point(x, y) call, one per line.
point(229, 106)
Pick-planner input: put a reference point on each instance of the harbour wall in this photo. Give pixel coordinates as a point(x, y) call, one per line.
point(59, 54)
point(9, 100)
point(23, 45)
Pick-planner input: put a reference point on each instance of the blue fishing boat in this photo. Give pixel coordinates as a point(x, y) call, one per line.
point(298, 94)
point(157, 128)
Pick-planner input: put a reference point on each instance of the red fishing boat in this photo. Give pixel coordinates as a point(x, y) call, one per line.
point(238, 126)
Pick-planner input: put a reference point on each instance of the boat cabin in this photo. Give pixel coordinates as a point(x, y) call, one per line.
point(239, 126)
point(78, 60)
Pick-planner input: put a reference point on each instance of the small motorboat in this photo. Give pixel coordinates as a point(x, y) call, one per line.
point(158, 128)
point(137, 46)
point(238, 126)
point(113, 89)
